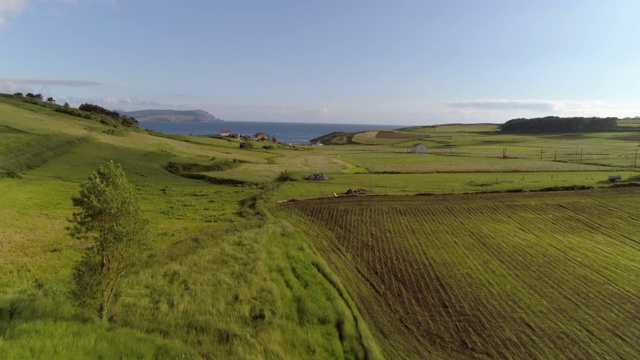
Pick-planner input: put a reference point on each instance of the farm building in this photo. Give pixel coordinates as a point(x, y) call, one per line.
point(418, 148)
point(225, 133)
point(261, 136)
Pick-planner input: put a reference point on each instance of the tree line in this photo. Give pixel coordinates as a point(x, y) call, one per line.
point(95, 109)
point(555, 124)
point(86, 111)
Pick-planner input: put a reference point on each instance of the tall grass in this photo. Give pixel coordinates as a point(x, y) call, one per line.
point(251, 293)
point(38, 322)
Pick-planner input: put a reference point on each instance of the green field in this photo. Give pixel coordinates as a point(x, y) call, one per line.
point(217, 280)
point(232, 271)
point(544, 275)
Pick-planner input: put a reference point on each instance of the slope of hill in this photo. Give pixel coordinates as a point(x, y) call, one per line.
point(171, 115)
point(218, 279)
point(226, 276)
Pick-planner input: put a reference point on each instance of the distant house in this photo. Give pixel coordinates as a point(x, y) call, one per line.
point(260, 136)
point(418, 148)
point(225, 133)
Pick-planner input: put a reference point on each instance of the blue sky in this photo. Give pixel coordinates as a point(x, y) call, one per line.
point(385, 62)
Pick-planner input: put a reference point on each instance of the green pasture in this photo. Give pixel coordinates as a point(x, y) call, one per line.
point(472, 163)
point(221, 277)
point(217, 279)
point(443, 183)
point(629, 123)
point(453, 128)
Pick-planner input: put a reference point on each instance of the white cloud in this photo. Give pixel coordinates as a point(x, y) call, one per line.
point(501, 110)
point(11, 8)
point(325, 112)
point(9, 87)
point(535, 105)
point(50, 82)
point(115, 103)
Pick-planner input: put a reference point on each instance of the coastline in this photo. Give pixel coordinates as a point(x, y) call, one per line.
point(287, 132)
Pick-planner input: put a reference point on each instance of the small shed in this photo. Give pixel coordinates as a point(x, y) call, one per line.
point(317, 177)
point(613, 178)
point(225, 132)
point(418, 148)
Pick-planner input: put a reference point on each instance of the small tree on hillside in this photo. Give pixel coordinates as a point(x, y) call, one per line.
point(110, 215)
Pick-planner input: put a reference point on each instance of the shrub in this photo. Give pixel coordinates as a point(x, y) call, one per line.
point(285, 176)
point(246, 145)
point(5, 173)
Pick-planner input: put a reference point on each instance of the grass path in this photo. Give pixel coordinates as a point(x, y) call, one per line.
point(42, 149)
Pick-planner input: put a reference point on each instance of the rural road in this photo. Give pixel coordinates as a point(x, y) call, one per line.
point(42, 148)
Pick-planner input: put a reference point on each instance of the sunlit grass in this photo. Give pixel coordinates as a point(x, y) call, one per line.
point(439, 183)
point(215, 282)
point(221, 278)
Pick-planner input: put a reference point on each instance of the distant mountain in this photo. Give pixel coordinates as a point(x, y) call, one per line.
point(171, 115)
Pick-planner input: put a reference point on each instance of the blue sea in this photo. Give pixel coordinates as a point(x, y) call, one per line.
point(288, 133)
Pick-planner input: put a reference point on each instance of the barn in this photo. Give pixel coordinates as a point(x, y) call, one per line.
point(418, 148)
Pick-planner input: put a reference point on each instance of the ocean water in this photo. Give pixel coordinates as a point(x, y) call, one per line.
point(288, 133)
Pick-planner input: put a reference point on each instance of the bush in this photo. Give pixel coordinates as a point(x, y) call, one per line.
point(246, 145)
point(285, 176)
point(5, 173)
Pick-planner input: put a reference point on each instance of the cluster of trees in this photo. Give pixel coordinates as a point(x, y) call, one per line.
point(105, 116)
point(37, 97)
point(66, 109)
point(555, 124)
point(96, 109)
point(86, 111)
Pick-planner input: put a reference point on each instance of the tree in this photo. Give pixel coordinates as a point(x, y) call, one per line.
point(246, 145)
point(51, 100)
point(109, 214)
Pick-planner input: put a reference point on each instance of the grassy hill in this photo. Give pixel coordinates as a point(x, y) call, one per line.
point(219, 279)
point(229, 274)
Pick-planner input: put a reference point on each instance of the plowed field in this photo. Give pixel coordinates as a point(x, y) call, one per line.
point(533, 275)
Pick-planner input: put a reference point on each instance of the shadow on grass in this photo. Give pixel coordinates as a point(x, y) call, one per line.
point(39, 322)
